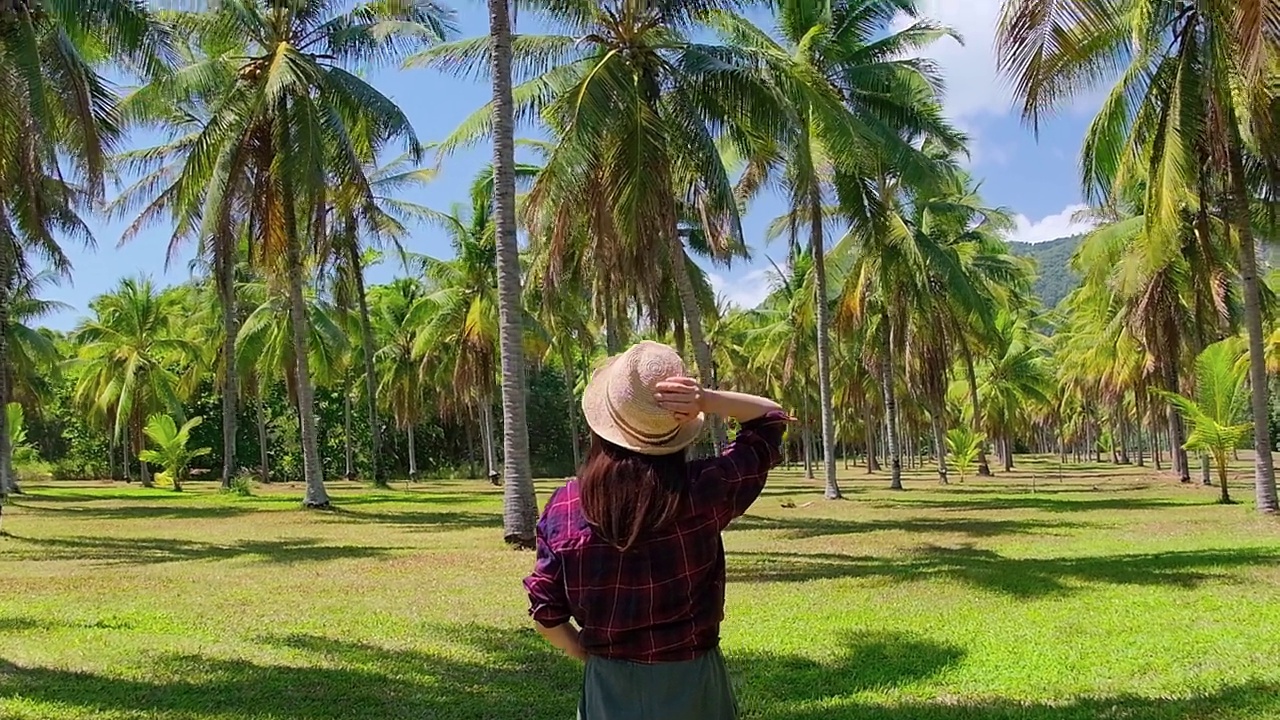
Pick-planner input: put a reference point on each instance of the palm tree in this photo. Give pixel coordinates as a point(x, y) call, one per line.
point(31, 356)
point(58, 113)
point(400, 310)
point(519, 505)
point(1218, 407)
point(130, 352)
point(265, 346)
point(854, 95)
point(465, 319)
point(289, 129)
point(383, 220)
point(170, 449)
point(1190, 102)
point(637, 108)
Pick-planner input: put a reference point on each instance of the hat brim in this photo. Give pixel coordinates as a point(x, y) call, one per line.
point(595, 409)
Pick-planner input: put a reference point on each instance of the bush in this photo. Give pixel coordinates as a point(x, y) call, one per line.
point(241, 485)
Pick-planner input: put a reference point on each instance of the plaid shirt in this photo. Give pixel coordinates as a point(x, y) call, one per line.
point(664, 599)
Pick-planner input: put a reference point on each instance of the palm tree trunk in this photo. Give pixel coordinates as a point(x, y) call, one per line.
point(693, 324)
point(571, 399)
point(891, 417)
point(805, 440)
point(230, 327)
point(413, 455)
point(124, 443)
point(612, 337)
point(348, 446)
point(1124, 436)
point(1263, 470)
point(873, 465)
point(519, 506)
point(8, 484)
point(486, 438)
point(1177, 455)
point(984, 469)
point(1224, 496)
point(1155, 439)
point(1137, 430)
point(826, 405)
point(471, 445)
point(312, 470)
point(264, 456)
point(370, 369)
point(939, 441)
point(140, 442)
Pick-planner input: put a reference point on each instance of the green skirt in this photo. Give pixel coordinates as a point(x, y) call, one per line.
point(694, 690)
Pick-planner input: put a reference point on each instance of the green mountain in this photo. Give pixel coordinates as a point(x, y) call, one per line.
point(1054, 277)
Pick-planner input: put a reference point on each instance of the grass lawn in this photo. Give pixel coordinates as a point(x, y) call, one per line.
point(1101, 594)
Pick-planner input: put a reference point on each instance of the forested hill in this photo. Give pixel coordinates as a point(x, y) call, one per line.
point(1054, 278)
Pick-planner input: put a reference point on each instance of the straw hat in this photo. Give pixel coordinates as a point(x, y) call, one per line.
point(619, 405)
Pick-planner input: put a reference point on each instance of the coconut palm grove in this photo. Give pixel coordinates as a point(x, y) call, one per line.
point(301, 481)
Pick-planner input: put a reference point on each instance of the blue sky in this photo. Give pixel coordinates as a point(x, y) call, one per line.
point(1037, 179)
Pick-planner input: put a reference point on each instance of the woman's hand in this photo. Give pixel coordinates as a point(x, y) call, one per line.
point(681, 396)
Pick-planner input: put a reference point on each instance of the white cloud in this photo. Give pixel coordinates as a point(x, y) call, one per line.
point(747, 291)
point(973, 87)
point(1063, 224)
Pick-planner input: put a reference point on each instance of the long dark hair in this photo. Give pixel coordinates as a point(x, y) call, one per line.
point(626, 495)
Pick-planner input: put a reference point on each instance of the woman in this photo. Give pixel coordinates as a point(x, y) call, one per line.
point(630, 550)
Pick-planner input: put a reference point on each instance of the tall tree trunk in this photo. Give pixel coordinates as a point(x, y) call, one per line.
point(1137, 430)
point(8, 484)
point(827, 406)
point(264, 454)
point(571, 401)
point(413, 455)
point(1224, 496)
point(1008, 453)
point(1177, 454)
point(693, 324)
point(1263, 470)
point(226, 284)
point(868, 421)
point(892, 448)
point(348, 446)
point(139, 443)
point(939, 440)
point(370, 368)
point(519, 505)
point(471, 444)
point(984, 469)
point(312, 470)
point(1155, 439)
point(612, 336)
point(806, 442)
point(125, 442)
point(1124, 436)
point(486, 437)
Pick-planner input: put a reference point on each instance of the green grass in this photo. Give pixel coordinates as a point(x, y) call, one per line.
point(1103, 594)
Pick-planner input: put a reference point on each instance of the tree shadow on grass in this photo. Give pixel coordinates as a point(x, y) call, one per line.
point(144, 512)
point(152, 551)
point(505, 674)
point(23, 624)
point(989, 570)
point(801, 527)
point(1039, 501)
point(422, 519)
point(497, 675)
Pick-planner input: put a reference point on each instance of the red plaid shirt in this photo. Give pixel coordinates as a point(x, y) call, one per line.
point(663, 600)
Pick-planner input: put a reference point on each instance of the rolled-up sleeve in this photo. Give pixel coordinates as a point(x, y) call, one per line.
point(548, 600)
point(733, 481)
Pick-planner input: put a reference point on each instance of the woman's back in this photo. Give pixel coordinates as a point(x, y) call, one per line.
point(662, 599)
